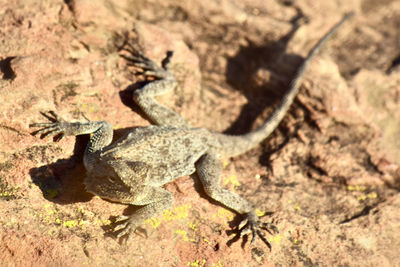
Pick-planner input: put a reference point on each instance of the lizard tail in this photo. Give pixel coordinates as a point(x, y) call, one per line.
point(236, 145)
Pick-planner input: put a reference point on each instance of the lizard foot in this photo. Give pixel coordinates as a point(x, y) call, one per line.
point(57, 126)
point(125, 226)
point(251, 224)
point(149, 68)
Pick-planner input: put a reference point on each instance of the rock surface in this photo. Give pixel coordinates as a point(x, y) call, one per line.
point(329, 174)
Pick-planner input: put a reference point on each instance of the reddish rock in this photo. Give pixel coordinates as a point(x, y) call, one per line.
point(330, 172)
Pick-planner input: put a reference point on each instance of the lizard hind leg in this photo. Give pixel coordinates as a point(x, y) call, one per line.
point(209, 171)
point(164, 82)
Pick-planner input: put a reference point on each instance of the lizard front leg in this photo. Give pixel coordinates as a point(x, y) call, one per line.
point(58, 127)
point(154, 201)
point(209, 171)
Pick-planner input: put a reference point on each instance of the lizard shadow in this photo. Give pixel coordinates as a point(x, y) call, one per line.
point(262, 73)
point(245, 73)
point(61, 182)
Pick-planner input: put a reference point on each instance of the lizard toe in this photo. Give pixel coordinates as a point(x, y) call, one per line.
point(121, 226)
point(121, 218)
point(125, 227)
point(251, 225)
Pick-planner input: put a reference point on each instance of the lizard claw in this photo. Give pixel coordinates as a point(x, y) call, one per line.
point(148, 68)
point(125, 226)
point(121, 218)
point(53, 128)
point(251, 224)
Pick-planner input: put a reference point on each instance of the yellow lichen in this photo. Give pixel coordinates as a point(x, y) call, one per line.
point(81, 210)
point(154, 222)
point(52, 232)
point(275, 239)
point(218, 264)
point(359, 188)
point(8, 192)
point(51, 193)
point(225, 164)
point(193, 225)
point(372, 195)
point(105, 222)
point(297, 207)
point(177, 213)
point(202, 263)
point(70, 223)
point(197, 263)
point(233, 180)
point(259, 212)
point(223, 214)
point(182, 233)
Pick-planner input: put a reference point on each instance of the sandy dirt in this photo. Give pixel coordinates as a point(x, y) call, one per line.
point(328, 177)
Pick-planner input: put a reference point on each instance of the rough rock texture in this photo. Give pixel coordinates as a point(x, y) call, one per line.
point(330, 173)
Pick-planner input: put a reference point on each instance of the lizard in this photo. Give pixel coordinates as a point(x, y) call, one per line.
point(133, 169)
